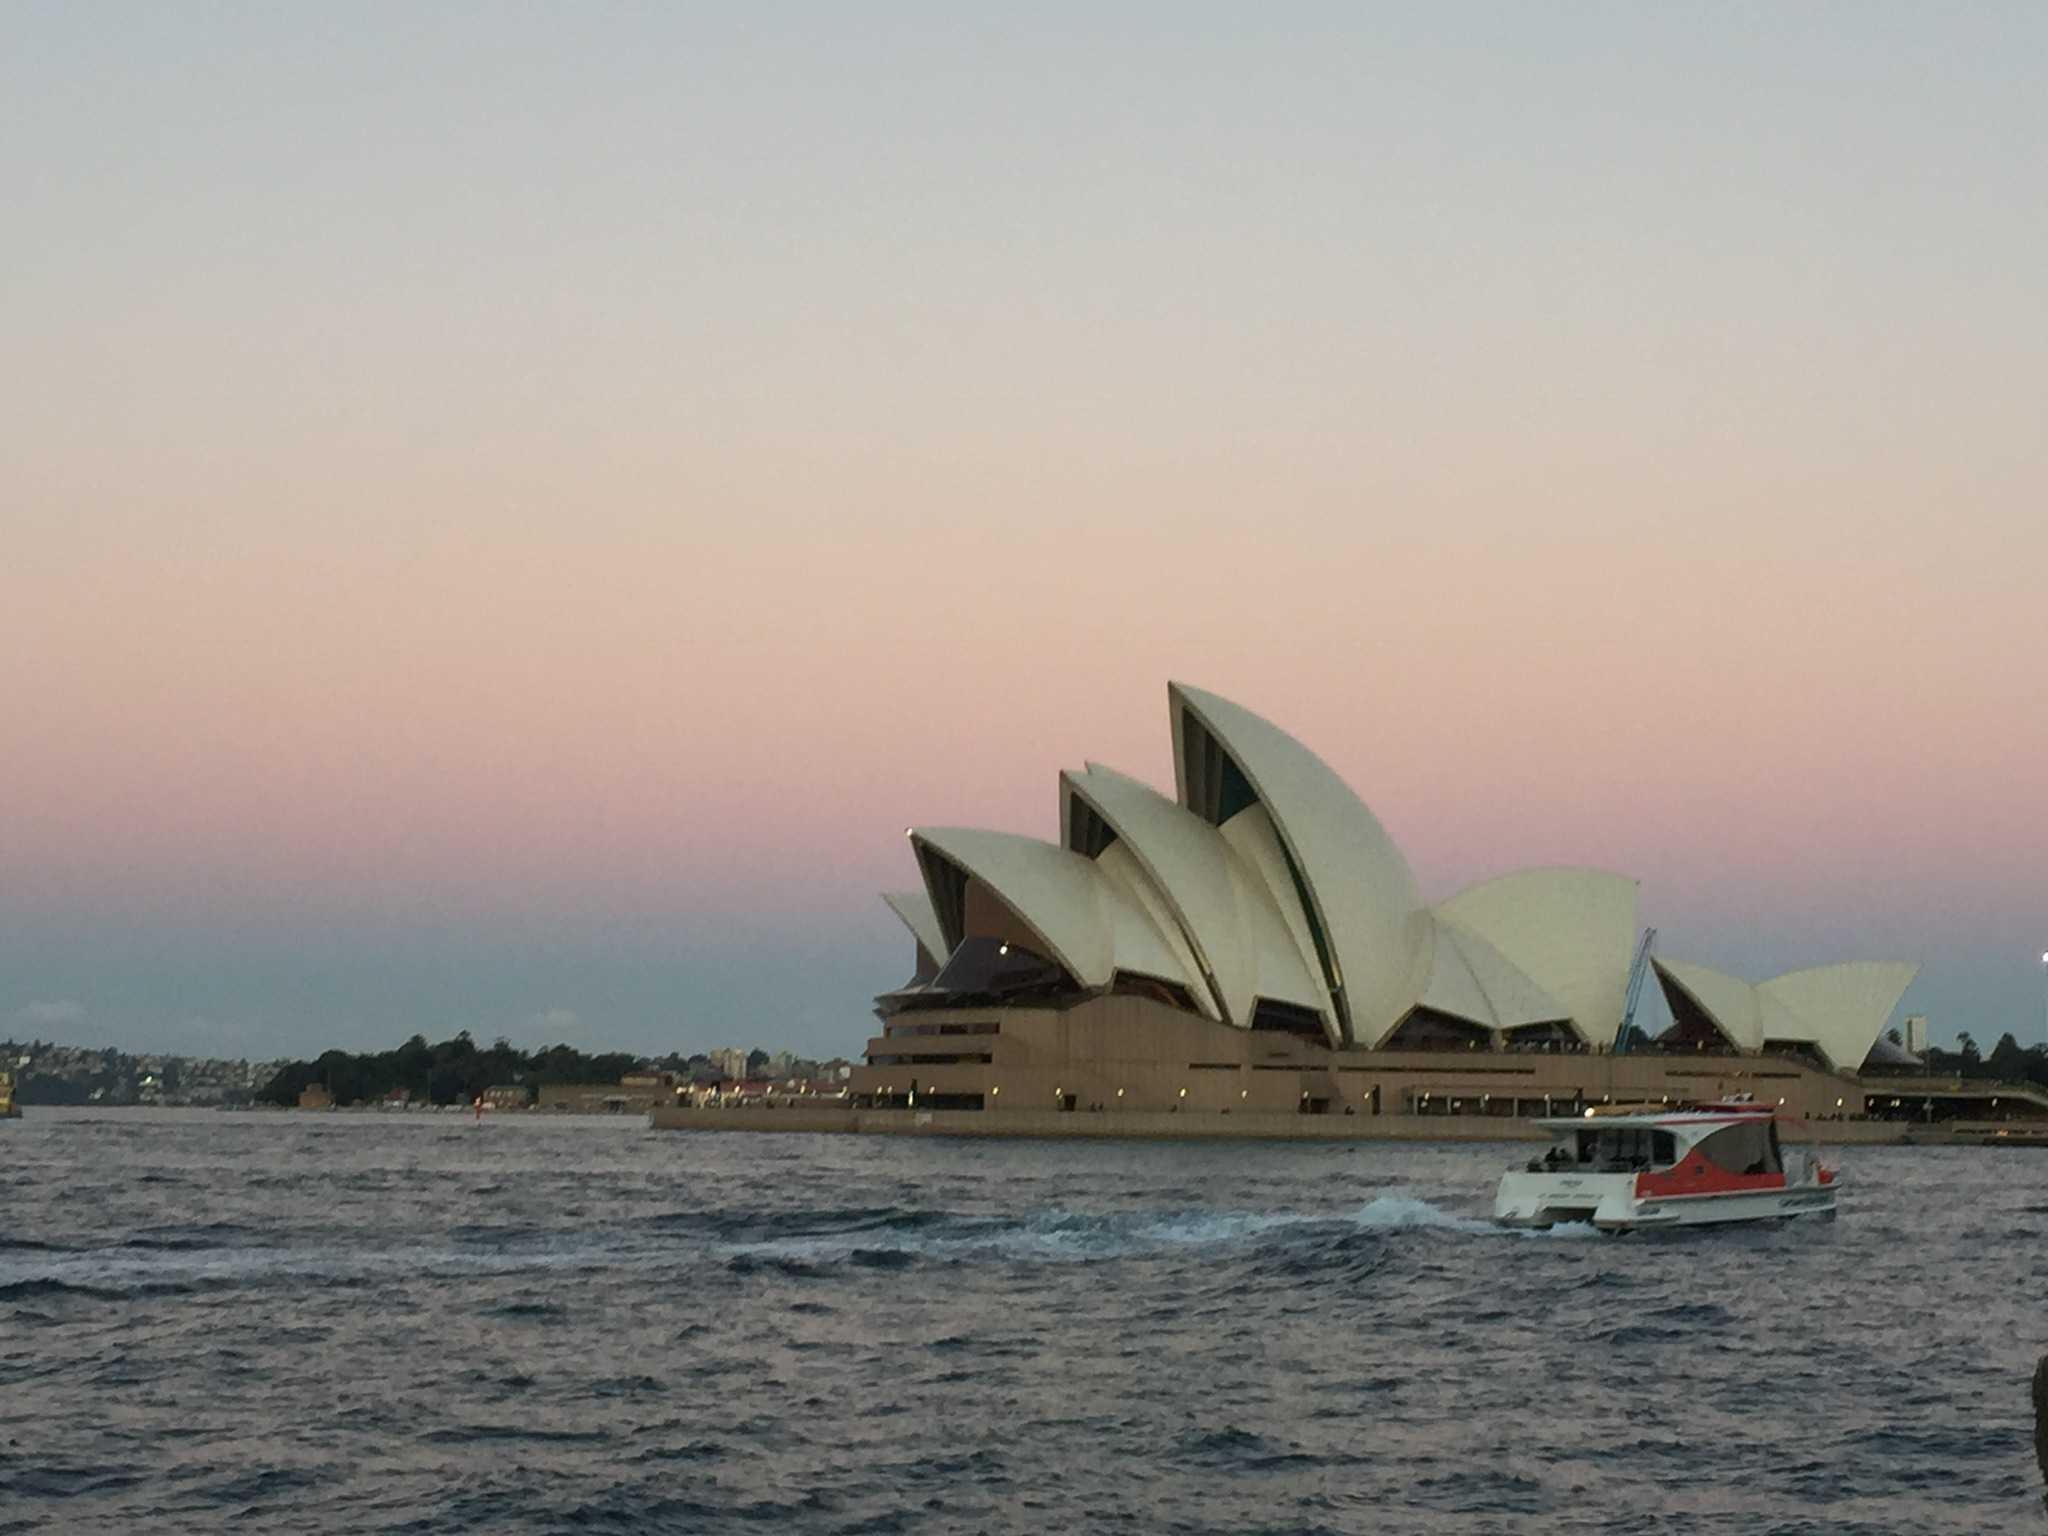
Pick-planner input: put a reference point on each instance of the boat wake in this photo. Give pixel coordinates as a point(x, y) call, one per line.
point(1067, 1236)
point(1411, 1212)
point(882, 1238)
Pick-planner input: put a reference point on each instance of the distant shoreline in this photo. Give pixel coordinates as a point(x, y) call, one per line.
point(1155, 1126)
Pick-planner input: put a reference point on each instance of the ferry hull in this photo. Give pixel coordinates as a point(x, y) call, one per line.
point(1610, 1203)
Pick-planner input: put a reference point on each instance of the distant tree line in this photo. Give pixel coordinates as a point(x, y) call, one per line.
point(452, 1072)
point(458, 1070)
point(43, 1088)
point(111, 1074)
point(2009, 1061)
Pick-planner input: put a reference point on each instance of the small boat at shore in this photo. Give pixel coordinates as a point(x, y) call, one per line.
point(1629, 1168)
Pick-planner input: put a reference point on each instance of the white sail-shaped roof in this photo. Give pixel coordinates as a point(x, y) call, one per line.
point(1842, 1009)
point(1729, 1001)
point(1359, 891)
point(1236, 930)
point(1470, 979)
point(1120, 867)
point(1286, 972)
point(914, 910)
point(1081, 917)
point(1570, 931)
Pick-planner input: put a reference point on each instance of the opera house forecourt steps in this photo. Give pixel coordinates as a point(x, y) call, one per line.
point(1250, 957)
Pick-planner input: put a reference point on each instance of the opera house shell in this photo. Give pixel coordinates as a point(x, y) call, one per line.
point(1255, 942)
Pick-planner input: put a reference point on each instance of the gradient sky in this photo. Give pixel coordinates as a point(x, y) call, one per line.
point(509, 511)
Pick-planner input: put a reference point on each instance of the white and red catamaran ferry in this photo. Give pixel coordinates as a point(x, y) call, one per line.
point(1635, 1167)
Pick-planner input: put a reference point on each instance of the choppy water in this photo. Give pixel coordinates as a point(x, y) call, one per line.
point(339, 1323)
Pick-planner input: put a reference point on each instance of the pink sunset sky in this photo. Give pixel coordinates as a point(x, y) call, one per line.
point(508, 515)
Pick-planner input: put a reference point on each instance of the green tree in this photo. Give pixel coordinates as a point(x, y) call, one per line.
point(288, 1082)
point(349, 1078)
point(2007, 1061)
point(450, 1072)
point(2036, 1070)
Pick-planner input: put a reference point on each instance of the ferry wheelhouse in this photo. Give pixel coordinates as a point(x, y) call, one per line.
point(1634, 1167)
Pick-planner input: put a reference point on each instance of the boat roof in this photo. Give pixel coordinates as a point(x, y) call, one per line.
point(1623, 1117)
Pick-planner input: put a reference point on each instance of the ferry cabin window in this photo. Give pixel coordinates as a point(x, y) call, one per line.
point(1617, 1149)
point(1748, 1148)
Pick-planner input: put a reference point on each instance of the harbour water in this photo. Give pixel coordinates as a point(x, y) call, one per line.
point(365, 1323)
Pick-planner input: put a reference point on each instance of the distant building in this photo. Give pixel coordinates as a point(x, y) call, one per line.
point(633, 1094)
point(315, 1096)
point(649, 1079)
point(507, 1096)
point(1255, 942)
point(730, 1061)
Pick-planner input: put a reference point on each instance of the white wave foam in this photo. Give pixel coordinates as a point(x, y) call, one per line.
point(1395, 1212)
point(1065, 1236)
point(1398, 1212)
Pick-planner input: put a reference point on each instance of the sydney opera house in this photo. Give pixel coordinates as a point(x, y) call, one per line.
point(1255, 944)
